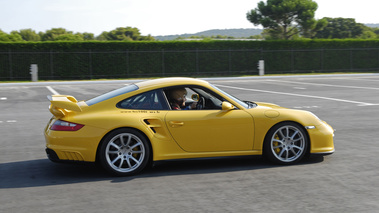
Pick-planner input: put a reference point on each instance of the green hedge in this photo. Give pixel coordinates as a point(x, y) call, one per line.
point(188, 45)
point(90, 60)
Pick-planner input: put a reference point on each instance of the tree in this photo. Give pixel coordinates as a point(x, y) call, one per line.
point(312, 27)
point(147, 38)
point(88, 36)
point(342, 28)
point(13, 37)
point(51, 35)
point(69, 37)
point(61, 34)
point(284, 19)
point(368, 34)
point(28, 35)
point(375, 30)
point(124, 34)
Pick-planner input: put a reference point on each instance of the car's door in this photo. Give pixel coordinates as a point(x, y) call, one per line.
point(211, 129)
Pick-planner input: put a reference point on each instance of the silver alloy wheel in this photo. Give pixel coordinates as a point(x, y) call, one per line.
point(125, 152)
point(288, 143)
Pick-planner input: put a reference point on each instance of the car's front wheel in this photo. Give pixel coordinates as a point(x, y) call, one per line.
point(124, 152)
point(286, 143)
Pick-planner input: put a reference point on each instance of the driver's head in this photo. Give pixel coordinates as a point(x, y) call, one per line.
point(178, 96)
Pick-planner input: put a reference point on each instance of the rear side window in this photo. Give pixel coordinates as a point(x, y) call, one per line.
point(152, 100)
point(112, 94)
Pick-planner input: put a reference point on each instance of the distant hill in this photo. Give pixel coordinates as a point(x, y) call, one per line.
point(372, 25)
point(236, 33)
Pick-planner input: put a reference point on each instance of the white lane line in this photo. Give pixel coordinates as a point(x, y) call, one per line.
point(3, 98)
point(299, 95)
point(326, 85)
point(305, 107)
point(362, 79)
point(9, 121)
point(52, 90)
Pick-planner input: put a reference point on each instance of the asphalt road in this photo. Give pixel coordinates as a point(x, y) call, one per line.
point(346, 181)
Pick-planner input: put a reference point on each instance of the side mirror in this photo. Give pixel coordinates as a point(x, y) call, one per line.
point(227, 106)
point(195, 97)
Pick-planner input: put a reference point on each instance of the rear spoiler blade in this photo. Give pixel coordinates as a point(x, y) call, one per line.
point(61, 103)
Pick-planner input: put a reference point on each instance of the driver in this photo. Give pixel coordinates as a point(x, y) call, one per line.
point(177, 98)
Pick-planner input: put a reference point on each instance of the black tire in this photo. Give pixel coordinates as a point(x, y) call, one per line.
point(124, 152)
point(286, 143)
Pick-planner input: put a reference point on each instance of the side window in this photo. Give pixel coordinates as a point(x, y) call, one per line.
point(152, 100)
point(180, 98)
point(212, 100)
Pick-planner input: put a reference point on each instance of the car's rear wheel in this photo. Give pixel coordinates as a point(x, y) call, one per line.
point(124, 152)
point(286, 143)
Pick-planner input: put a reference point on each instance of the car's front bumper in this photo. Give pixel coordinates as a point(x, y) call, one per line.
point(321, 138)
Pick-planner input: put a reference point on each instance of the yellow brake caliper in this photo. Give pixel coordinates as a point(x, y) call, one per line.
point(135, 155)
point(277, 150)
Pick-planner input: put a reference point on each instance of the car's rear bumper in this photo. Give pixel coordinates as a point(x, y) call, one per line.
point(78, 145)
point(52, 155)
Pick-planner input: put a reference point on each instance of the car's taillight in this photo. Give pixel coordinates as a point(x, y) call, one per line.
point(60, 125)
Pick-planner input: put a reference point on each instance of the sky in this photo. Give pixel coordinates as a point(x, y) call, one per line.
point(156, 17)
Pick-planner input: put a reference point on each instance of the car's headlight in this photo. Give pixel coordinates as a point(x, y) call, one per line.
point(310, 127)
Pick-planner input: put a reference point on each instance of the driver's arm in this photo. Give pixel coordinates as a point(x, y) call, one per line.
point(191, 106)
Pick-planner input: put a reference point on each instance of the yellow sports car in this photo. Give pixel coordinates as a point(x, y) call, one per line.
point(177, 118)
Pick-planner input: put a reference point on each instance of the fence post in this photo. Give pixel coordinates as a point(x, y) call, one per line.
point(34, 72)
point(197, 61)
point(230, 61)
point(322, 59)
point(127, 63)
point(261, 67)
point(163, 65)
point(292, 61)
point(260, 57)
point(90, 64)
point(10, 64)
point(51, 64)
point(351, 60)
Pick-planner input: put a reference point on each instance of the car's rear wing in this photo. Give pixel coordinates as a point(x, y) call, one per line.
point(63, 104)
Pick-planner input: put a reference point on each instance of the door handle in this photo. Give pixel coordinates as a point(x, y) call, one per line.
point(174, 124)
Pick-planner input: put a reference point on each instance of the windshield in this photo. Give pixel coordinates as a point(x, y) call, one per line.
point(112, 94)
point(242, 103)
